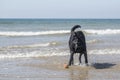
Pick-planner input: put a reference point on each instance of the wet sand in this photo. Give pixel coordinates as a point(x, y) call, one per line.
point(101, 67)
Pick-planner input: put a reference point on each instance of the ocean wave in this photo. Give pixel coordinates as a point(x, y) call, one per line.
point(16, 54)
point(105, 51)
point(30, 45)
point(14, 33)
point(102, 32)
point(93, 41)
point(86, 31)
point(49, 53)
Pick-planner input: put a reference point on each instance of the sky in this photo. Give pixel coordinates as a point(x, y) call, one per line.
point(60, 9)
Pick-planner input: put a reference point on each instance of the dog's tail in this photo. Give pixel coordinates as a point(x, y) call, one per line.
point(75, 27)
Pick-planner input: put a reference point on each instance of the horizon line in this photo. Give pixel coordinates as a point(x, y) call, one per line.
point(59, 18)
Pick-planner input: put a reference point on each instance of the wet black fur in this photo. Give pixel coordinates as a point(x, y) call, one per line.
point(82, 50)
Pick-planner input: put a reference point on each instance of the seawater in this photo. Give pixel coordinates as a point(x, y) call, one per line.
point(49, 37)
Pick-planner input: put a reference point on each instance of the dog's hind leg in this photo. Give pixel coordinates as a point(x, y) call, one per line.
point(85, 55)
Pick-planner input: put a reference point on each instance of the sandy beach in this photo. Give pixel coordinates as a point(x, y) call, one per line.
point(51, 68)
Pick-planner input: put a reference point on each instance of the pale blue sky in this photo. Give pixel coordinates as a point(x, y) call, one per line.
point(59, 8)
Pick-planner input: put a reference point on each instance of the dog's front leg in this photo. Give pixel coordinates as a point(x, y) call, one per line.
point(71, 61)
point(80, 57)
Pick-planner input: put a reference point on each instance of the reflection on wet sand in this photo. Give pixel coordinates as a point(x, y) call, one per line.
point(78, 73)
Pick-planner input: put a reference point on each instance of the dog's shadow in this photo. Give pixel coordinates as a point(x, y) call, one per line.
point(103, 65)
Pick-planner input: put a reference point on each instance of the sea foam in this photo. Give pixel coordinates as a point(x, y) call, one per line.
point(50, 53)
point(30, 33)
point(103, 32)
point(87, 31)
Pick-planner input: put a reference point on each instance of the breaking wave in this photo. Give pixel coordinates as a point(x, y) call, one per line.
point(105, 51)
point(53, 52)
point(31, 54)
point(31, 45)
point(87, 31)
point(14, 33)
point(102, 32)
point(93, 41)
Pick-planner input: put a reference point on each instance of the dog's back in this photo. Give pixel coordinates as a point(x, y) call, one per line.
point(77, 42)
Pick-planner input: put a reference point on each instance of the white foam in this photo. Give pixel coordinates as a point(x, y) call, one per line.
point(93, 41)
point(31, 45)
point(31, 54)
point(30, 33)
point(102, 32)
point(14, 33)
point(50, 52)
point(104, 51)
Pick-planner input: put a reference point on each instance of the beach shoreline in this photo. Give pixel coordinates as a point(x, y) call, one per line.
point(51, 68)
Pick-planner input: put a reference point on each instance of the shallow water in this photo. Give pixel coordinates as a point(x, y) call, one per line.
point(49, 37)
point(51, 68)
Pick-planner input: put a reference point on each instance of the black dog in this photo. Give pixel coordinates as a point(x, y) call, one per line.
point(77, 44)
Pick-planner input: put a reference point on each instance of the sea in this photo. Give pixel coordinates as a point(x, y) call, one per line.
point(29, 38)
